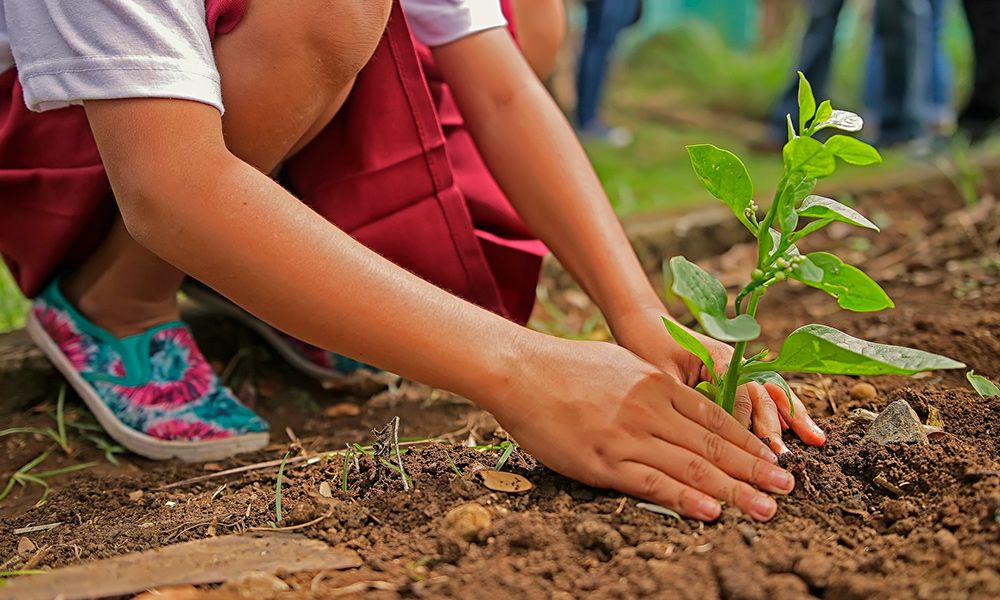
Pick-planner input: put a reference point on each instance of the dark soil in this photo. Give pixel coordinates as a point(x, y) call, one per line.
point(864, 520)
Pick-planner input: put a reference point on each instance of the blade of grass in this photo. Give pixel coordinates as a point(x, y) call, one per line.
point(277, 488)
point(509, 448)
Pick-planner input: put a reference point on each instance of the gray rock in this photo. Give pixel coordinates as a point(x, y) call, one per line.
point(897, 424)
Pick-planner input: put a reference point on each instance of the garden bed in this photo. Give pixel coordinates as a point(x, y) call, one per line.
point(864, 520)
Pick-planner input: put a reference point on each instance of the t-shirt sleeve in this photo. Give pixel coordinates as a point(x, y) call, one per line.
point(439, 22)
point(68, 51)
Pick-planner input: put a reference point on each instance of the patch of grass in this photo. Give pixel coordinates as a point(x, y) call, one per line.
point(13, 305)
point(57, 435)
point(26, 474)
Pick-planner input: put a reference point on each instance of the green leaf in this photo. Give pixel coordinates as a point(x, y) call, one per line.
point(707, 390)
point(791, 128)
point(853, 289)
point(823, 112)
point(706, 298)
point(822, 349)
point(787, 217)
point(690, 343)
point(808, 272)
point(852, 150)
point(773, 378)
point(843, 120)
point(809, 157)
point(818, 207)
point(724, 176)
point(984, 387)
point(807, 102)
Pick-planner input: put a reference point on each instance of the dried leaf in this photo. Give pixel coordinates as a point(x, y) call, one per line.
point(934, 417)
point(25, 546)
point(344, 409)
point(324, 490)
point(511, 483)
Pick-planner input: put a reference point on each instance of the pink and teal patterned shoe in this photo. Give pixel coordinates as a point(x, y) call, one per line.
point(322, 365)
point(154, 392)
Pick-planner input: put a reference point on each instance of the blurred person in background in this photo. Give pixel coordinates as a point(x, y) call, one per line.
point(606, 19)
point(904, 28)
point(982, 111)
point(541, 31)
point(939, 112)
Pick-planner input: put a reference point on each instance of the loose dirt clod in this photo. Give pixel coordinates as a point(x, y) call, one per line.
point(863, 392)
point(469, 522)
point(897, 424)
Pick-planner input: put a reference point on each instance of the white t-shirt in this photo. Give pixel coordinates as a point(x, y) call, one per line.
point(68, 51)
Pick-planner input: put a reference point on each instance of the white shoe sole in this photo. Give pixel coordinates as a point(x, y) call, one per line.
point(328, 377)
point(136, 441)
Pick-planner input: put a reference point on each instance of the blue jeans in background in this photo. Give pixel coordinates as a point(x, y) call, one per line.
point(904, 28)
point(815, 59)
point(938, 94)
point(606, 19)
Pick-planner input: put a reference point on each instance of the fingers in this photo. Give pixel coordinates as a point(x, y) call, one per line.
point(743, 406)
point(645, 482)
point(730, 459)
point(801, 423)
point(697, 472)
point(711, 417)
point(766, 420)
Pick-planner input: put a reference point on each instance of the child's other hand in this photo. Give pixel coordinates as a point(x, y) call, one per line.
point(767, 409)
point(599, 414)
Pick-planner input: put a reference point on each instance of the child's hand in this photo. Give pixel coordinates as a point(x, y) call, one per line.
point(767, 409)
point(599, 414)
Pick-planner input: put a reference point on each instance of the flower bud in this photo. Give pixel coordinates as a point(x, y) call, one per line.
point(779, 276)
point(781, 263)
point(757, 274)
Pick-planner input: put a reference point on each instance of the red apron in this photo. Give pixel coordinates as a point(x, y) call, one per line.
point(396, 169)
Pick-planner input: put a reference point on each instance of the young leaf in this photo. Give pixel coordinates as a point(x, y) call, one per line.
point(725, 176)
point(852, 150)
point(843, 120)
point(822, 349)
point(807, 102)
point(787, 217)
point(849, 285)
point(770, 377)
point(707, 390)
point(706, 298)
point(807, 272)
point(809, 157)
point(823, 112)
point(791, 128)
point(984, 387)
point(690, 343)
point(818, 207)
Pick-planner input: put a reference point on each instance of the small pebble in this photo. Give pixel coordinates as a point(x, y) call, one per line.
point(467, 521)
point(863, 391)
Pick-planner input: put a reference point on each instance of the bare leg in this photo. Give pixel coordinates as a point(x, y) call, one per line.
point(125, 288)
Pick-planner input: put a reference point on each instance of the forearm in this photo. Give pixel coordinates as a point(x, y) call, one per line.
point(534, 155)
point(239, 232)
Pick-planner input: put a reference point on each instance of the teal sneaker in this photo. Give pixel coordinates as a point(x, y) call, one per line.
point(154, 393)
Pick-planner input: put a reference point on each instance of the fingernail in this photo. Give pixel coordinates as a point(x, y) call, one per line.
point(779, 446)
point(781, 480)
point(815, 429)
point(763, 507)
point(768, 455)
point(709, 509)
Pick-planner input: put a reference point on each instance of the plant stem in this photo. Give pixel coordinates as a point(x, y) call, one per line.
point(732, 379)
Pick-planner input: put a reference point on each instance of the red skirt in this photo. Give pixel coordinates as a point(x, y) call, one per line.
point(396, 169)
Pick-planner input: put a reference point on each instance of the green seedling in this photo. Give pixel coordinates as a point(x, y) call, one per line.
point(508, 449)
point(27, 474)
point(57, 435)
point(279, 480)
point(794, 214)
point(984, 387)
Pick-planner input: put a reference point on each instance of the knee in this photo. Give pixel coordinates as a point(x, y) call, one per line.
point(345, 33)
